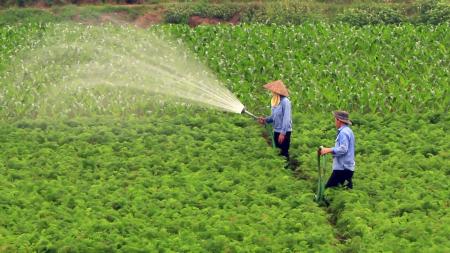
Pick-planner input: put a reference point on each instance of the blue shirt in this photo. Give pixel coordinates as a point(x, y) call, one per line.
point(281, 116)
point(344, 150)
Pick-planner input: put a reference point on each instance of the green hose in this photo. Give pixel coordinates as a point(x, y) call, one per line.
point(270, 133)
point(320, 184)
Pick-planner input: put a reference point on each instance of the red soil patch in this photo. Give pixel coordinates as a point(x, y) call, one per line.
point(150, 18)
point(114, 17)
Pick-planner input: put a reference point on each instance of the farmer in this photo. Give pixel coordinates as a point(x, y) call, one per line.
point(281, 116)
point(343, 152)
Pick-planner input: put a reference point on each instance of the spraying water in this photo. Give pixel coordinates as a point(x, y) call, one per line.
point(99, 67)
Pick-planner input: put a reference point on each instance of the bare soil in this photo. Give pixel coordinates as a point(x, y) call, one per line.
point(150, 18)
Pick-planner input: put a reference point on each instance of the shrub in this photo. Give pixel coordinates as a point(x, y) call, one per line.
point(181, 13)
point(433, 12)
point(277, 13)
point(439, 14)
point(366, 16)
point(177, 15)
point(17, 15)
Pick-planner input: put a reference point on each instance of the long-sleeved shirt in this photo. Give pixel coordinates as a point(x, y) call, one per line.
point(281, 117)
point(344, 150)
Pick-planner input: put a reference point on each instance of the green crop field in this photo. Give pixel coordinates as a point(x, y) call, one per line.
point(107, 169)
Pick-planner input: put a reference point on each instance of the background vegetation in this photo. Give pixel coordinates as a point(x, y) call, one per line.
point(267, 12)
point(125, 174)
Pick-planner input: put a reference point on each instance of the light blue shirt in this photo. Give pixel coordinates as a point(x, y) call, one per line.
point(344, 150)
point(281, 116)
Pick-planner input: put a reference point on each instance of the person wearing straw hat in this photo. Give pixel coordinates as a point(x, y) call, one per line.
point(343, 152)
point(281, 116)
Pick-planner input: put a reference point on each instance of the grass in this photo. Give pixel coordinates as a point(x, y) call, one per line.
point(70, 12)
point(29, 15)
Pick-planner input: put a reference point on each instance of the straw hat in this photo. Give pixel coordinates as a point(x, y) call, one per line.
point(277, 87)
point(342, 116)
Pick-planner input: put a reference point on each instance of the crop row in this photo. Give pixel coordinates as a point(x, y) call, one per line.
point(400, 199)
point(206, 181)
point(369, 69)
point(193, 182)
point(15, 38)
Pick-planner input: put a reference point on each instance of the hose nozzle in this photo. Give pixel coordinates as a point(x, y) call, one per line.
point(249, 113)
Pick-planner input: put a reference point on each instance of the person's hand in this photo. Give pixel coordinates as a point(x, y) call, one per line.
point(281, 138)
point(325, 151)
point(262, 120)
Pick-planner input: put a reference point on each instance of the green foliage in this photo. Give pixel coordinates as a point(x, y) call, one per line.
point(294, 12)
point(399, 203)
point(94, 13)
point(277, 13)
point(433, 12)
point(325, 66)
point(365, 16)
point(15, 16)
point(184, 179)
point(225, 11)
point(204, 181)
point(328, 66)
point(192, 182)
point(179, 14)
point(16, 38)
point(268, 12)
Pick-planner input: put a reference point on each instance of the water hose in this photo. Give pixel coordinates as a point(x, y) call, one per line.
point(320, 184)
point(249, 113)
point(270, 133)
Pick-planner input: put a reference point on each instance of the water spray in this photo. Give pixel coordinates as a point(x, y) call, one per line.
point(141, 64)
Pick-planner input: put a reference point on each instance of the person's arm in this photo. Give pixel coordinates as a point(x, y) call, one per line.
point(324, 151)
point(264, 120)
point(342, 145)
point(269, 119)
point(340, 148)
point(286, 116)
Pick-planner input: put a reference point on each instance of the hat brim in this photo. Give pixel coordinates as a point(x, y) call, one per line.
point(346, 121)
point(279, 93)
point(277, 87)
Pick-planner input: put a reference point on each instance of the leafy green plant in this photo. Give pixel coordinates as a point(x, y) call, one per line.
point(366, 16)
point(160, 183)
point(15, 16)
point(16, 38)
point(325, 66)
point(433, 12)
point(328, 66)
point(277, 13)
point(141, 176)
point(184, 193)
point(179, 14)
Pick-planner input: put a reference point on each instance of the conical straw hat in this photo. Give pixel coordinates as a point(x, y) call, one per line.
point(277, 87)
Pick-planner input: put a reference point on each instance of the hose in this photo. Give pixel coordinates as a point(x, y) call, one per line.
point(320, 184)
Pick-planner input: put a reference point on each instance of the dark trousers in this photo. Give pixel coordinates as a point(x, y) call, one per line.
point(338, 177)
point(284, 147)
